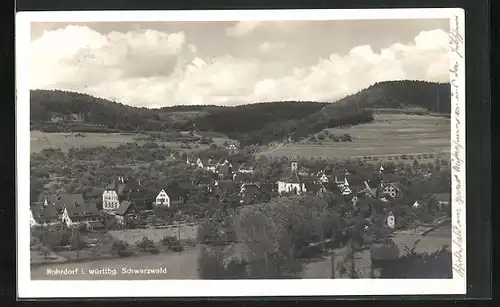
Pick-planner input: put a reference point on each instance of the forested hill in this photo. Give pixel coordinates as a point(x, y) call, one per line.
point(433, 97)
point(251, 123)
point(53, 110)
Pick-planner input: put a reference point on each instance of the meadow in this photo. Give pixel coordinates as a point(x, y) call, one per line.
point(388, 137)
point(65, 140)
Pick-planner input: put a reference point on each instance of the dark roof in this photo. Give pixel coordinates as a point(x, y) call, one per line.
point(292, 178)
point(442, 196)
point(60, 200)
point(252, 188)
point(371, 191)
point(124, 206)
point(42, 211)
point(245, 166)
point(81, 209)
point(313, 186)
point(394, 184)
point(223, 169)
point(95, 224)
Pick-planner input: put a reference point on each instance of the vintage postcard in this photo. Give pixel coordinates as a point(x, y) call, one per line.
point(241, 153)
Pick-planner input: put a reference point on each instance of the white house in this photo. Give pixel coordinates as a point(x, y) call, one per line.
point(162, 199)
point(416, 204)
point(323, 178)
point(110, 200)
point(292, 183)
point(77, 213)
point(346, 189)
point(33, 222)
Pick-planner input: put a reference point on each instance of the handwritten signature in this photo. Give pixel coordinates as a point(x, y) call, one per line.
point(456, 42)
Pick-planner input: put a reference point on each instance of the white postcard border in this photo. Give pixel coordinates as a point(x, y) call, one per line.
point(211, 288)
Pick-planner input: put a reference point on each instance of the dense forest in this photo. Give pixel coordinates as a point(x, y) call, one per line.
point(76, 111)
point(258, 123)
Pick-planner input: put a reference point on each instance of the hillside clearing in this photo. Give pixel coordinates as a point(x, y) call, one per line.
point(388, 137)
point(65, 140)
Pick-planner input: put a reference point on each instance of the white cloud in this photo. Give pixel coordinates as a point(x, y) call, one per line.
point(153, 68)
point(270, 46)
point(241, 28)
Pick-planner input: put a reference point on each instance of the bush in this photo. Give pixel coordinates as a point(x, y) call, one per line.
point(170, 240)
point(176, 248)
point(152, 250)
point(145, 243)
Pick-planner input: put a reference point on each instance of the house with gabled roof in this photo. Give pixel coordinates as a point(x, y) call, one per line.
point(443, 199)
point(121, 189)
point(126, 212)
point(193, 161)
point(292, 183)
point(58, 201)
point(250, 193)
point(42, 214)
point(225, 188)
point(246, 168)
point(223, 171)
point(391, 189)
point(162, 199)
point(78, 213)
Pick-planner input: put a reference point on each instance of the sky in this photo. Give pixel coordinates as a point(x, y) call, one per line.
point(158, 64)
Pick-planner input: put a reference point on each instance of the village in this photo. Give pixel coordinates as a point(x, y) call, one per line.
point(116, 217)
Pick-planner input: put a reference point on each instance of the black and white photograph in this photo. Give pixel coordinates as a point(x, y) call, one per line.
point(301, 152)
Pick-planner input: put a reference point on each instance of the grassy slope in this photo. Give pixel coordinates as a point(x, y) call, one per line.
point(388, 135)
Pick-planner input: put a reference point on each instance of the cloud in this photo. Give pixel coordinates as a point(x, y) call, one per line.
point(269, 46)
point(339, 75)
point(242, 28)
point(153, 68)
point(84, 57)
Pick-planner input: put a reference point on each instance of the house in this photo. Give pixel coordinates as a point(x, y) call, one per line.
point(162, 199)
point(126, 212)
point(123, 187)
point(78, 213)
point(110, 200)
point(315, 187)
point(193, 161)
point(293, 182)
point(241, 177)
point(368, 191)
point(303, 171)
point(94, 225)
point(223, 171)
point(223, 188)
point(43, 214)
point(60, 200)
point(343, 186)
point(322, 177)
point(250, 193)
point(231, 148)
point(416, 204)
point(246, 168)
point(443, 199)
point(392, 189)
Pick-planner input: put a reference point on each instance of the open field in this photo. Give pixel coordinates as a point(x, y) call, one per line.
point(66, 140)
point(389, 136)
point(41, 140)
